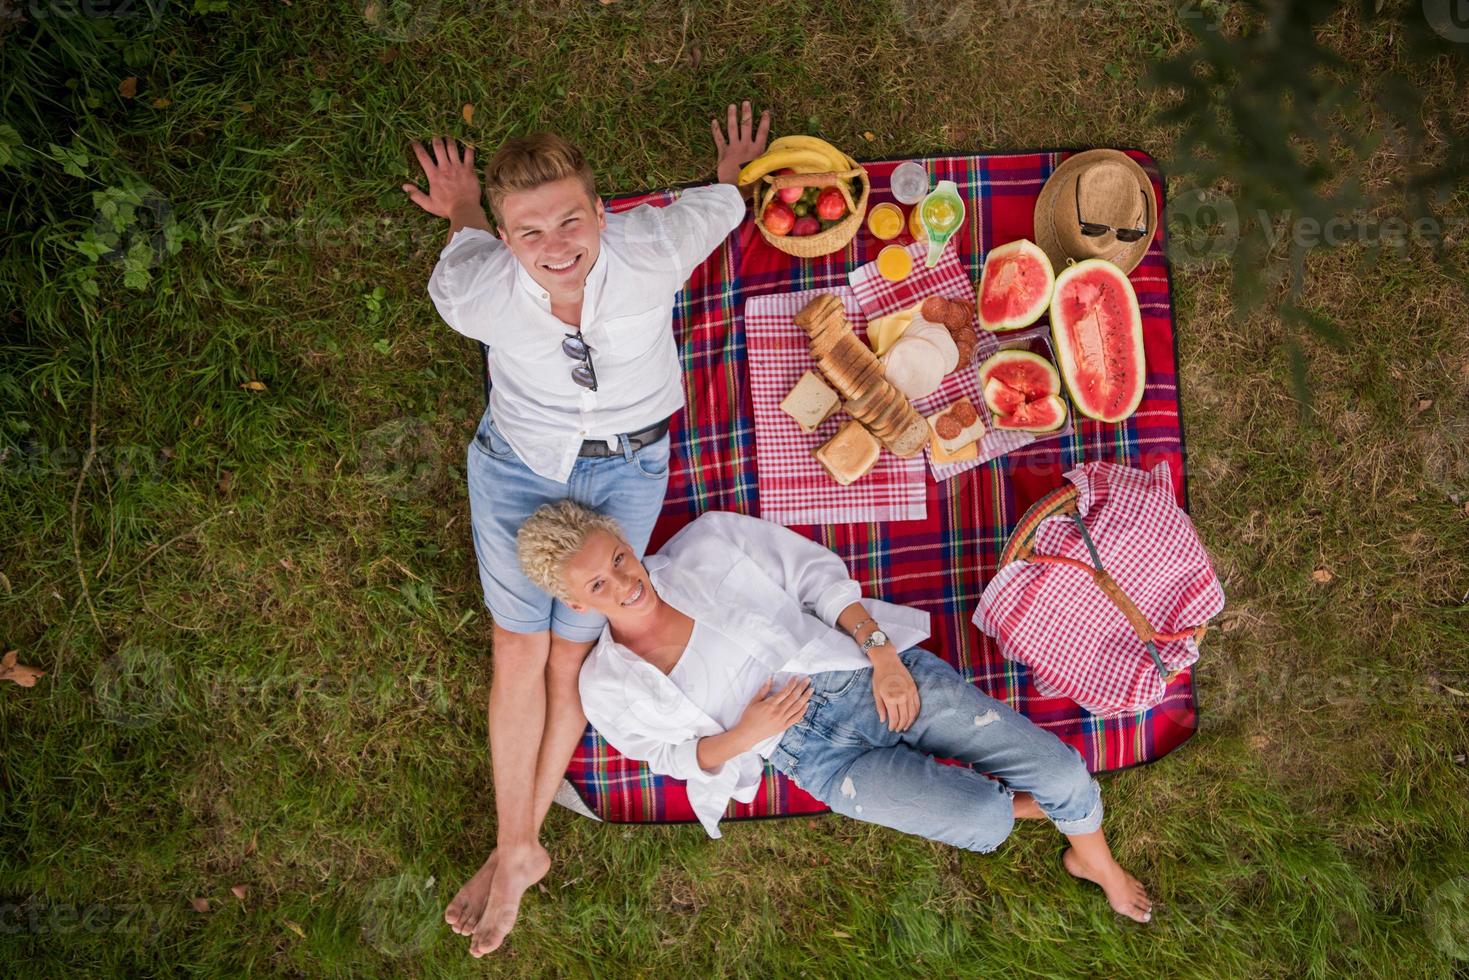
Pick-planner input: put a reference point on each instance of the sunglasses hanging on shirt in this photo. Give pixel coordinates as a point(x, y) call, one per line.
point(1092, 229)
point(576, 349)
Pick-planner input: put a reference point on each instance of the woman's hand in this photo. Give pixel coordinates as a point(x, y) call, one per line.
point(744, 144)
point(453, 186)
point(895, 694)
point(770, 714)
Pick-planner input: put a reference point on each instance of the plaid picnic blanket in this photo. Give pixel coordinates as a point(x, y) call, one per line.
point(942, 562)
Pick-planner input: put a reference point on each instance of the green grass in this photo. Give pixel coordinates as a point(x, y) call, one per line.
point(267, 651)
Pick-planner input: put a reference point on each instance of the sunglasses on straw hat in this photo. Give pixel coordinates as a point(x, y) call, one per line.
point(1092, 229)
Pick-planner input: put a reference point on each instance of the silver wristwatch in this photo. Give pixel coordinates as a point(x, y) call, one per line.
point(877, 638)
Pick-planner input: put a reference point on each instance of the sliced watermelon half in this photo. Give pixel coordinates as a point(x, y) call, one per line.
point(1015, 287)
point(1022, 389)
point(1098, 333)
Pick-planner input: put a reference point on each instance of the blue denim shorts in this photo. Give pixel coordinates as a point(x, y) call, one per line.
point(504, 492)
point(842, 754)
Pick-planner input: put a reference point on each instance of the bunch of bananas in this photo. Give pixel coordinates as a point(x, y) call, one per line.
point(802, 154)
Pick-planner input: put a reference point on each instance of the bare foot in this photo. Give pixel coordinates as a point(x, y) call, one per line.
point(1124, 893)
point(463, 912)
point(513, 875)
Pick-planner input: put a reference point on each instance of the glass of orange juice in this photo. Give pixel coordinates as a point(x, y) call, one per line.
point(894, 263)
point(885, 221)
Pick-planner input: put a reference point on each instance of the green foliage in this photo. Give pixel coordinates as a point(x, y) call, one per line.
point(1276, 127)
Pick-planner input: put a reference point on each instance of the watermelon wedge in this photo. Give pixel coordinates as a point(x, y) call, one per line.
point(1043, 415)
point(1015, 287)
point(1098, 333)
point(1022, 390)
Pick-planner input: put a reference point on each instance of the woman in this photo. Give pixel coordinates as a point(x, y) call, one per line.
point(742, 641)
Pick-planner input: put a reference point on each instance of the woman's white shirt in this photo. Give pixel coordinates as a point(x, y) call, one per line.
point(721, 679)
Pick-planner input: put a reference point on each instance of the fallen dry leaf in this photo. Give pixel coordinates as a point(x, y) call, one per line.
point(240, 892)
point(295, 928)
point(1424, 404)
point(468, 112)
point(869, 136)
point(226, 480)
point(372, 12)
point(1322, 575)
point(200, 904)
point(128, 87)
point(254, 386)
point(18, 674)
point(696, 55)
point(162, 103)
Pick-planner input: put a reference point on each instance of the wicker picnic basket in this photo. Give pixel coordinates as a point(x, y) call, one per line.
point(1020, 546)
point(828, 240)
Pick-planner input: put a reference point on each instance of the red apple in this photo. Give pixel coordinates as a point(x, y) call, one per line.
point(778, 218)
point(806, 226)
point(831, 205)
point(790, 195)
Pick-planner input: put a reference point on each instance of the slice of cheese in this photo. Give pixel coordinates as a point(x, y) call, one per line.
point(940, 455)
point(884, 331)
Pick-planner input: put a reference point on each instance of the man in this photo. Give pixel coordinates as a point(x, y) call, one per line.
point(575, 306)
point(742, 641)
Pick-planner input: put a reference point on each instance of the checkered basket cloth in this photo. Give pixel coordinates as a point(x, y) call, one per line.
point(1020, 547)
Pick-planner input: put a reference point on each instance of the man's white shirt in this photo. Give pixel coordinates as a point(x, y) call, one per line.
point(775, 596)
point(647, 254)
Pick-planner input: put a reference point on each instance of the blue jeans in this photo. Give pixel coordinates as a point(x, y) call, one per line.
point(843, 755)
point(503, 492)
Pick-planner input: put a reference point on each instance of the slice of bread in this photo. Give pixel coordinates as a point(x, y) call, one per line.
point(810, 402)
point(815, 309)
point(912, 437)
point(849, 454)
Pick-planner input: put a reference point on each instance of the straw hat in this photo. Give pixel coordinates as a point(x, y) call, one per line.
point(1110, 189)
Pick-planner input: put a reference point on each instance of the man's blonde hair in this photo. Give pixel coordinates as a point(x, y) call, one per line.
point(555, 532)
point(530, 161)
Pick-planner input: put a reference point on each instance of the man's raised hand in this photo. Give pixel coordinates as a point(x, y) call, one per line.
point(743, 144)
point(453, 186)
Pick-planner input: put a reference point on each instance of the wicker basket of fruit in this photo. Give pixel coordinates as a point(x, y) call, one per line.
point(809, 198)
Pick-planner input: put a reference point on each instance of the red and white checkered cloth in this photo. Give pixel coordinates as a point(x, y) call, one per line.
point(879, 297)
point(1056, 620)
point(794, 487)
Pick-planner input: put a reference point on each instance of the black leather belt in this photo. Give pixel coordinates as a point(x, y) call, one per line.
point(639, 439)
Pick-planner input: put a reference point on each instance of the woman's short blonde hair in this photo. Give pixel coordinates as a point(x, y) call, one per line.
point(555, 532)
point(528, 162)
